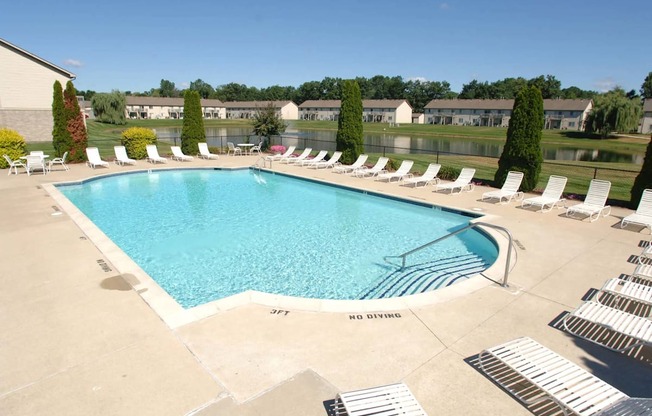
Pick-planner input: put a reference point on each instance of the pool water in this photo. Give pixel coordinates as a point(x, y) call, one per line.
point(204, 235)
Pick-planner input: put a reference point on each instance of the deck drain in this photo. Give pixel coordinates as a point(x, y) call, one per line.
point(105, 267)
point(83, 238)
point(519, 245)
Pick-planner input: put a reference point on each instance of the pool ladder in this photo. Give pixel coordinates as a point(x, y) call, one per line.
point(264, 161)
point(461, 230)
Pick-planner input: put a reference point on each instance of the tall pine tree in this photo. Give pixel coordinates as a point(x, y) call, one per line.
point(192, 131)
point(75, 125)
point(522, 151)
point(60, 137)
point(349, 125)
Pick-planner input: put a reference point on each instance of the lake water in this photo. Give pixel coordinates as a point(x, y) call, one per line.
point(392, 143)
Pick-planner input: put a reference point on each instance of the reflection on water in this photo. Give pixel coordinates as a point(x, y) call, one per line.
point(400, 144)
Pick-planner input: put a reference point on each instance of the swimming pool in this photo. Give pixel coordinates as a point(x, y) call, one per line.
point(208, 234)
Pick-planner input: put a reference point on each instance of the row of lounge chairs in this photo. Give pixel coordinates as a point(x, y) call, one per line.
point(617, 318)
point(121, 158)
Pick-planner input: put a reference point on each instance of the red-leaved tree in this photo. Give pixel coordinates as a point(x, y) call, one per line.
point(75, 125)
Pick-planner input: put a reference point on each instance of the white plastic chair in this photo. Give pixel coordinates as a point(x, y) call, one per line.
point(177, 154)
point(643, 214)
point(509, 189)
point(35, 162)
point(376, 169)
point(153, 156)
point(14, 164)
point(231, 148)
point(429, 176)
point(333, 161)
point(293, 159)
point(59, 161)
point(121, 157)
point(594, 203)
point(359, 162)
point(256, 148)
point(308, 162)
point(551, 196)
point(94, 159)
point(287, 154)
point(204, 153)
point(462, 182)
point(402, 172)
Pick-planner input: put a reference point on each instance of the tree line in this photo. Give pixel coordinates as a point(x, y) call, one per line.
point(417, 92)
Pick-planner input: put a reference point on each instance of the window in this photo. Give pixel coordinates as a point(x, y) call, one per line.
point(571, 124)
point(460, 120)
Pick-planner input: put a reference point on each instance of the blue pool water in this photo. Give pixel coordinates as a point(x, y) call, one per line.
point(208, 234)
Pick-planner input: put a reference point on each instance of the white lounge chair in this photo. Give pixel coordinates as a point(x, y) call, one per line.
point(204, 153)
point(177, 154)
point(606, 326)
point(394, 399)
point(376, 169)
point(256, 148)
point(232, 149)
point(34, 163)
point(463, 182)
point(94, 159)
point(332, 162)
point(318, 158)
point(153, 156)
point(59, 161)
point(121, 157)
point(594, 203)
point(14, 164)
point(293, 159)
point(627, 289)
point(643, 214)
point(402, 172)
point(551, 196)
point(287, 153)
point(429, 176)
point(509, 189)
point(532, 373)
point(359, 162)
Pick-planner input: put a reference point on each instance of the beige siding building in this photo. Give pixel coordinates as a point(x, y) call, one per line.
point(646, 121)
point(167, 107)
point(288, 110)
point(558, 114)
point(26, 87)
point(373, 111)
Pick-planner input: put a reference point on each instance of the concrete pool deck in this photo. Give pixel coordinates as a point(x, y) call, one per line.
point(77, 339)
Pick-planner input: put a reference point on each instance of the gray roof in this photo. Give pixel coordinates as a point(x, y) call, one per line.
point(169, 101)
point(37, 59)
point(647, 105)
point(256, 104)
point(365, 103)
point(503, 104)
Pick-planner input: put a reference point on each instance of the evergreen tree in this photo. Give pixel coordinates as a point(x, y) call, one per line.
point(75, 124)
point(522, 151)
point(192, 131)
point(60, 136)
point(644, 179)
point(349, 125)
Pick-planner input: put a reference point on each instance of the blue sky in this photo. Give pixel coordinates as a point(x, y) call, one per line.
point(132, 45)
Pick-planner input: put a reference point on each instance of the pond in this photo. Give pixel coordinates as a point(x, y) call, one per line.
point(393, 143)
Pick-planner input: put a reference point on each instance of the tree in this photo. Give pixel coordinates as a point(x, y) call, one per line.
point(60, 137)
point(646, 88)
point(267, 122)
point(110, 107)
point(75, 124)
point(167, 89)
point(522, 151)
point(643, 179)
point(192, 131)
point(549, 86)
point(349, 125)
point(204, 89)
point(613, 111)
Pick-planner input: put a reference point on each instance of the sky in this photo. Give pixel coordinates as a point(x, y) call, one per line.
point(133, 45)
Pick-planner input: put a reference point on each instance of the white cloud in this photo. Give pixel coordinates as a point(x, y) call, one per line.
point(444, 6)
point(73, 62)
point(185, 85)
point(605, 84)
point(420, 79)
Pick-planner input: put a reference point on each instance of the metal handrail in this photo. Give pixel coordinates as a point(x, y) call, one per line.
point(472, 225)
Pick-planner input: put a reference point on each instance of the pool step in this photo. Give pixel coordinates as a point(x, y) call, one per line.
point(425, 277)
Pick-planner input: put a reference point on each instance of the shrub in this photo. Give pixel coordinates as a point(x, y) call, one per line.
point(448, 173)
point(392, 165)
point(12, 144)
point(278, 148)
point(135, 141)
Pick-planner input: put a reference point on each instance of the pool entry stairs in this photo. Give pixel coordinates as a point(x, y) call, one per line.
point(425, 277)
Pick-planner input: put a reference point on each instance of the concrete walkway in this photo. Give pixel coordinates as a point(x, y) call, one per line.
point(77, 339)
